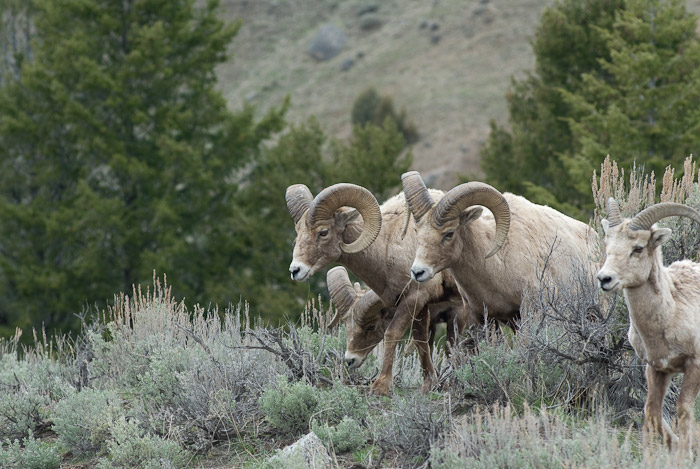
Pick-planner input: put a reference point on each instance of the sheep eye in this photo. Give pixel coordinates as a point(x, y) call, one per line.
point(369, 328)
point(323, 233)
point(448, 235)
point(638, 249)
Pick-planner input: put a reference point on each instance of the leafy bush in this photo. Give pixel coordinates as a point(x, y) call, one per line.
point(83, 420)
point(130, 447)
point(338, 402)
point(371, 108)
point(27, 389)
point(347, 435)
point(31, 454)
point(289, 407)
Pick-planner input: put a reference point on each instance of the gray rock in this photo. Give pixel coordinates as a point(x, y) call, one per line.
point(370, 23)
point(347, 64)
point(308, 452)
point(328, 43)
point(369, 8)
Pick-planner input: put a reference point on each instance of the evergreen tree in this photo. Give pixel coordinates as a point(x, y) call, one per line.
point(118, 156)
point(643, 107)
point(618, 78)
point(526, 157)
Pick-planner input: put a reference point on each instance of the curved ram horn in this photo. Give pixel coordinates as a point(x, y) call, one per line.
point(406, 217)
point(614, 217)
point(299, 199)
point(475, 193)
point(368, 307)
point(332, 198)
point(650, 215)
point(342, 293)
point(417, 195)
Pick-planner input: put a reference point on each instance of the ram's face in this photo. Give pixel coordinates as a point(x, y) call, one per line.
point(436, 248)
point(316, 247)
point(629, 255)
point(440, 247)
point(364, 336)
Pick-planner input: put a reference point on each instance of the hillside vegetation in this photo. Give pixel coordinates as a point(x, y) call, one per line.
point(451, 88)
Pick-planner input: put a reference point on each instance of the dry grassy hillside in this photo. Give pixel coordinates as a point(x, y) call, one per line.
point(447, 62)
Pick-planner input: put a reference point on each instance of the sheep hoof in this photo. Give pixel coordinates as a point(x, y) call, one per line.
point(380, 388)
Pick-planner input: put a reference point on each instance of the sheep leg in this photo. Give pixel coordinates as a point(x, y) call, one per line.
point(421, 330)
point(686, 401)
point(657, 384)
point(402, 319)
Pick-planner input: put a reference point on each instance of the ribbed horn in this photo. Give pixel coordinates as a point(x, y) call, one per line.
point(614, 217)
point(650, 215)
point(475, 193)
point(299, 199)
point(417, 195)
point(342, 293)
point(332, 198)
point(368, 307)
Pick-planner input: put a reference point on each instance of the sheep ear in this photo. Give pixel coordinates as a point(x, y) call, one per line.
point(659, 236)
point(469, 215)
point(606, 224)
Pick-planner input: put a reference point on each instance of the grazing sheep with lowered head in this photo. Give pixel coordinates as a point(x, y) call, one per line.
point(330, 230)
point(358, 308)
point(663, 304)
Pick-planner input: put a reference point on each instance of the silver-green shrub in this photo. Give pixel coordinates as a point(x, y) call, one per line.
point(289, 407)
point(83, 420)
point(27, 390)
point(345, 436)
point(31, 454)
point(129, 446)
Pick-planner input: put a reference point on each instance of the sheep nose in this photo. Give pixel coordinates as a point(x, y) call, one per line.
point(604, 278)
point(350, 362)
point(417, 273)
point(294, 271)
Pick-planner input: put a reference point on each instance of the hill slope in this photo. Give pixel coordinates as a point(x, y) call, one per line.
point(447, 62)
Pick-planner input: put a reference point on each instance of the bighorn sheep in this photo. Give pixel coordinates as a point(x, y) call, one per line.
point(663, 304)
point(362, 309)
point(328, 230)
point(494, 257)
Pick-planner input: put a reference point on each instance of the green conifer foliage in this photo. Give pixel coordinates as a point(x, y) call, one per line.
point(118, 156)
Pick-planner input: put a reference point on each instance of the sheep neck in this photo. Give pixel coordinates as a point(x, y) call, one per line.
point(650, 304)
point(370, 264)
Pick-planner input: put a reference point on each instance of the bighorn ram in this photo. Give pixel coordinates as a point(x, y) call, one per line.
point(494, 257)
point(663, 304)
point(329, 230)
point(359, 308)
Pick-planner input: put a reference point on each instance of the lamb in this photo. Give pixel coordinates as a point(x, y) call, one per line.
point(328, 230)
point(663, 304)
point(362, 309)
point(495, 257)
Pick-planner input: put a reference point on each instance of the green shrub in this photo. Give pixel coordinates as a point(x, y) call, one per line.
point(346, 436)
point(289, 407)
point(31, 454)
point(83, 420)
point(371, 108)
point(129, 446)
point(27, 389)
point(338, 402)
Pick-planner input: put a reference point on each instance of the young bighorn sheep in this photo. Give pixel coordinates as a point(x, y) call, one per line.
point(663, 304)
point(366, 318)
point(494, 257)
point(329, 230)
